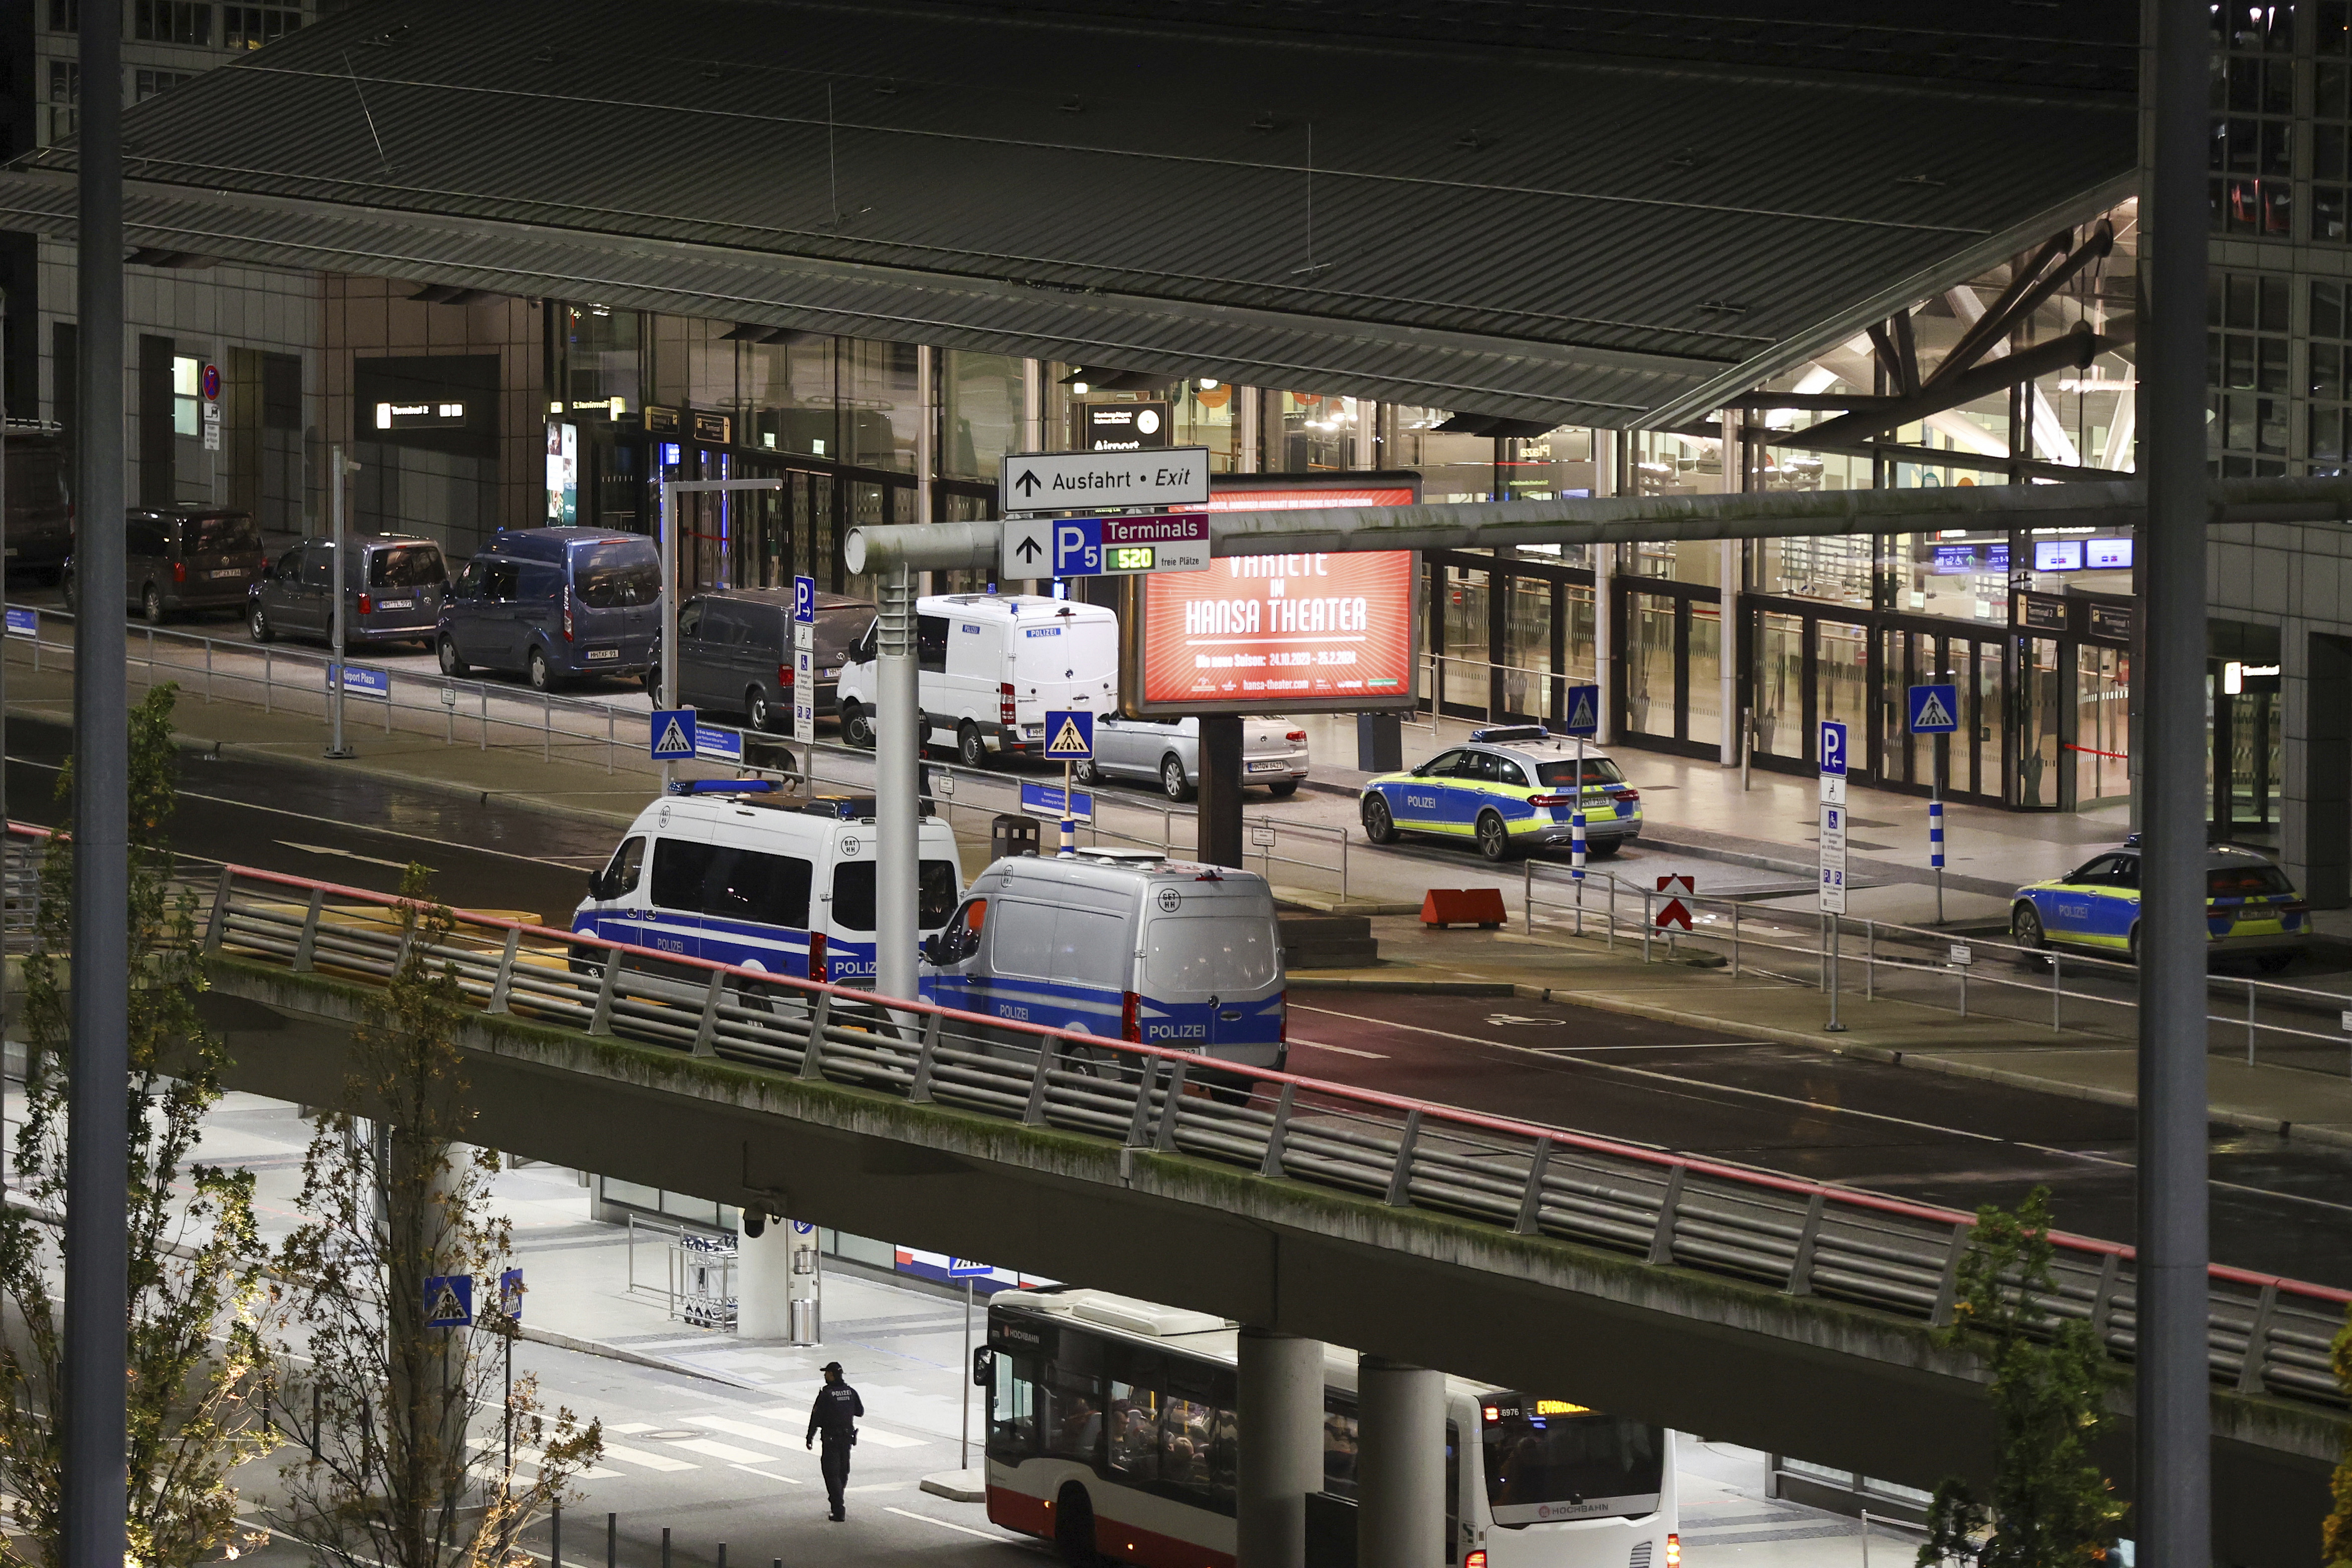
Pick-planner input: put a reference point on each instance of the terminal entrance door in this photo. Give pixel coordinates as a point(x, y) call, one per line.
point(1913, 656)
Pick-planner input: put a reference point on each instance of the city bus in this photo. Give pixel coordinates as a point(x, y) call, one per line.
point(1111, 1433)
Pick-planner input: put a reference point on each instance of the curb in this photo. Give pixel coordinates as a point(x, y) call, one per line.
point(1951, 1067)
point(1424, 988)
point(957, 1486)
point(614, 1353)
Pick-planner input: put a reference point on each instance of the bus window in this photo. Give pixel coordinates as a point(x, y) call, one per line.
point(1013, 1409)
point(1134, 1415)
point(1074, 1414)
point(1198, 1436)
point(1549, 1459)
point(1340, 1437)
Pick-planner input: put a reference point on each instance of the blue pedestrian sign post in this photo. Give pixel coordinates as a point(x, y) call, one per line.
point(510, 1294)
point(1936, 710)
point(965, 1269)
point(449, 1301)
point(1069, 740)
point(804, 662)
point(1834, 850)
point(1584, 723)
point(672, 734)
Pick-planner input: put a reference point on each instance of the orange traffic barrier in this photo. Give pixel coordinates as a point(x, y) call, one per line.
point(1479, 906)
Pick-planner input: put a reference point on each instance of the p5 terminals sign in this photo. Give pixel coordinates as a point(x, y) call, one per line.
point(1281, 633)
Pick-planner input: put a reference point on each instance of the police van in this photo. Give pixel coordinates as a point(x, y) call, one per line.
point(752, 880)
point(1123, 945)
point(990, 665)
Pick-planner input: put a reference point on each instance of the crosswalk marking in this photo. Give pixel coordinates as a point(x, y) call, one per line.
point(728, 1451)
point(651, 1461)
point(881, 1439)
point(771, 1476)
point(735, 1429)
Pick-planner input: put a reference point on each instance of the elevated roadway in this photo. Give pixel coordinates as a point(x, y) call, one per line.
point(1772, 1311)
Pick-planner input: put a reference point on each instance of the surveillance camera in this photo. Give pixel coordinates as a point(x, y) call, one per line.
point(754, 1222)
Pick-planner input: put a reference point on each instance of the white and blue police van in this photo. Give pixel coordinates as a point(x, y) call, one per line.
point(1122, 945)
point(748, 878)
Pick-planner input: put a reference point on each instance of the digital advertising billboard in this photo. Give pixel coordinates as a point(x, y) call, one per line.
point(1282, 634)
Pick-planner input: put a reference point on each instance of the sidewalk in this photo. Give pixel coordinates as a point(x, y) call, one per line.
point(2075, 1063)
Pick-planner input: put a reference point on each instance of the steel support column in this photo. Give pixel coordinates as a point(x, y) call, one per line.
point(1400, 1465)
point(898, 752)
point(2173, 1523)
point(1281, 1415)
point(97, 1175)
point(1218, 822)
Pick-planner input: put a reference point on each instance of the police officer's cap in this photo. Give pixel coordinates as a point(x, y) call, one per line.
point(830, 1366)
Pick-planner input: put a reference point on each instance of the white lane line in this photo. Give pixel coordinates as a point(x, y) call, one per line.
point(651, 1461)
point(1690, 1085)
point(628, 1427)
point(1342, 1049)
point(882, 1439)
point(770, 1475)
point(951, 1524)
point(878, 1486)
point(344, 854)
point(728, 1451)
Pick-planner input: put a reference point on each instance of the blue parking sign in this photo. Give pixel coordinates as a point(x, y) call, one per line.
point(1833, 748)
point(804, 600)
point(1935, 710)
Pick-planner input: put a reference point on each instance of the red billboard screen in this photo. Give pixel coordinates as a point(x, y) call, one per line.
point(1282, 634)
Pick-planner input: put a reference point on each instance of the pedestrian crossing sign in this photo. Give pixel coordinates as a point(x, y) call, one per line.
point(1069, 736)
point(672, 734)
point(1935, 709)
point(449, 1301)
point(1583, 711)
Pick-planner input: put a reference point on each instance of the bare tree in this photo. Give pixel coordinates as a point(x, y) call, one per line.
point(197, 1354)
point(397, 1226)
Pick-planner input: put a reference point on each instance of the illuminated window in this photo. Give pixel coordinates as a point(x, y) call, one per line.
point(251, 26)
point(172, 22)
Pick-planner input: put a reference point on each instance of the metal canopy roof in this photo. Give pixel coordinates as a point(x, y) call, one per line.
point(1523, 234)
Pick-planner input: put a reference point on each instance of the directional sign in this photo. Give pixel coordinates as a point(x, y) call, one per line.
point(1025, 551)
point(804, 600)
point(1046, 800)
point(1069, 735)
point(1583, 711)
point(718, 745)
point(1076, 481)
point(23, 623)
point(510, 1294)
point(965, 1269)
point(1832, 859)
point(1935, 710)
point(361, 681)
point(1107, 547)
point(1675, 912)
point(672, 737)
point(449, 1301)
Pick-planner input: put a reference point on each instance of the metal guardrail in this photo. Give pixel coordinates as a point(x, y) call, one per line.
point(2268, 1334)
point(1883, 958)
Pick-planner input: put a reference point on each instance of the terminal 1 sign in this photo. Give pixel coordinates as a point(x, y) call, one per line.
point(1281, 633)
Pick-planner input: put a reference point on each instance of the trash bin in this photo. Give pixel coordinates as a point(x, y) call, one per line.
point(1010, 834)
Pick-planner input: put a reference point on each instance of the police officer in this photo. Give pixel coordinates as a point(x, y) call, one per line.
point(837, 1407)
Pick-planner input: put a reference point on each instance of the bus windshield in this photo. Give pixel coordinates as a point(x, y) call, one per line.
point(1547, 1458)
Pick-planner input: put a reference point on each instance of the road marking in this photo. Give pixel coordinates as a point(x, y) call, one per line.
point(627, 1428)
point(951, 1524)
point(1555, 1053)
point(770, 1475)
point(728, 1451)
point(882, 1439)
point(344, 854)
point(651, 1461)
point(735, 1429)
point(1514, 1018)
point(1342, 1049)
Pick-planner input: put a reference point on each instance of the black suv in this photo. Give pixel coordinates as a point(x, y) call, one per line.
point(185, 560)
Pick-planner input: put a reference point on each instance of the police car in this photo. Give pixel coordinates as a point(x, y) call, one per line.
point(2250, 907)
point(1510, 789)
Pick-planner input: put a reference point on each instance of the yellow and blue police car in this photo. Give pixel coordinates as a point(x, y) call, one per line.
point(1512, 789)
point(2251, 907)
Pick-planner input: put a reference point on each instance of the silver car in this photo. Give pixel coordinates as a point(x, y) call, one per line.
point(1167, 751)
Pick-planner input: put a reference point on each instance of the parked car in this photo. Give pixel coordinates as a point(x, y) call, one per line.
point(1513, 787)
point(393, 592)
point(735, 651)
point(1167, 751)
point(2251, 907)
point(182, 560)
point(554, 604)
point(990, 666)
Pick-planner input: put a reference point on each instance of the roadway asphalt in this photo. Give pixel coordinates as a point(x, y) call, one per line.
point(2277, 1206)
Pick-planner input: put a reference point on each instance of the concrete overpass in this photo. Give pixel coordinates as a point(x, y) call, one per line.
point(1769, 1312)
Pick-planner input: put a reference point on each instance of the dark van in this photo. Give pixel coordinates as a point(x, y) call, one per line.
point(736, 652)
point(185, 560)
point(392, 593)
point(555, 604)
point(40, 518)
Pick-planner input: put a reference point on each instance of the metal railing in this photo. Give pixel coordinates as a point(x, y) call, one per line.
point(1974, 975)
point(2267, 1334)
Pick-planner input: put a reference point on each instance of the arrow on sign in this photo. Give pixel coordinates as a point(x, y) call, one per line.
point(1029, 549)
point(1028, 482)
point(1673, 912)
